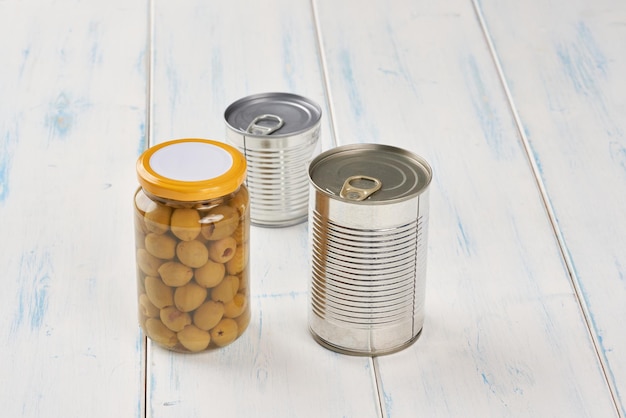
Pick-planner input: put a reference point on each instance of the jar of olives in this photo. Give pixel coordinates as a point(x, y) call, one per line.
point(192, 227)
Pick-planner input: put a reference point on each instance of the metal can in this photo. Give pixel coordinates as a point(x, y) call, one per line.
point(368, 235)
point(278, 134)
point(192, 223)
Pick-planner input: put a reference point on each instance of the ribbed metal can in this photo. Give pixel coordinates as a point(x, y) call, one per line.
point(368, 234)
point(278, 133)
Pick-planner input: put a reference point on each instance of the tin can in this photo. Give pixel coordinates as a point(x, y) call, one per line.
point(278, 134)
point(368, 235)
point(192, 223)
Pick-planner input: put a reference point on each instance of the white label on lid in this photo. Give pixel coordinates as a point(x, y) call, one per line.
point(191, 161)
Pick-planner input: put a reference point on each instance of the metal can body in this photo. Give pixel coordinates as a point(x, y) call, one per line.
point(278, 134)
point(368, 235)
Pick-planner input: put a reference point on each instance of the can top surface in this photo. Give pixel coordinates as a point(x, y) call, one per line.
point(191, 169)
point(276, 114)
point(370, 173)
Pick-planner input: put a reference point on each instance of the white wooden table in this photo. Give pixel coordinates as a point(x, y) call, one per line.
point(519, 106)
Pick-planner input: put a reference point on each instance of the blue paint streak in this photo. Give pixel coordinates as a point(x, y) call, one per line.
point(217, 76)
point(598, 58)
point(25, 56)
point(583, 62)
point(139, 407)
point(618, 154)
point(141, 65)
point(364, 128)
point(538, 163)
point(5, 167)
point(260, 324)
point(485, 111)
point(604, 350)
point(388, 404)
point(95, 55)
point(173, 85)
point(485, 380)
point(403, 70)
point(288, 67)
point(153, 385)
point(143, 140)
point(291, 294)
point(35, 270)
point(349, 83)
point(462, 238)
point(594, 325)
point(61, 116)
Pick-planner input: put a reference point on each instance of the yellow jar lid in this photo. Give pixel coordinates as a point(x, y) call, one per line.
point(191, 169)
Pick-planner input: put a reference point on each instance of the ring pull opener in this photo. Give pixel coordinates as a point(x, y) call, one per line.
point(255, 129)
point(351, 191)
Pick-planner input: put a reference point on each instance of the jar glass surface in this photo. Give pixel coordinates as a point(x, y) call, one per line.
point(193, 281)
point(192, 228)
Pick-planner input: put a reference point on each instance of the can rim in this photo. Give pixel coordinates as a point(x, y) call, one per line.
point(316, 121)
point(420, 161)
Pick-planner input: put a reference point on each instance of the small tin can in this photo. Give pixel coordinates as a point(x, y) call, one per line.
point(368, 235)
point(278, 134)
point(192, 223)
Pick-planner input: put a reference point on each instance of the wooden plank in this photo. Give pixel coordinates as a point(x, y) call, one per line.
point(72, 120)
point(564, 63)
point(207, 55)
point(275, 369)
point(504, 334)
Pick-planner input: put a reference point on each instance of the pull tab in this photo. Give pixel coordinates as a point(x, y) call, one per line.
point(351, 192)
point(255, 129)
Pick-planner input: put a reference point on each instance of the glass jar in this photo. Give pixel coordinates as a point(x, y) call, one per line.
point(192, 223)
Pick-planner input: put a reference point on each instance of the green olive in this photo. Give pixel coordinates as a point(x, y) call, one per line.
point(225, 332)
point(235, 307)
point(226, 290)
point(175, 274)
point(192, 253)
point(174, 319)
point(239, 261)
point(160, 245)
point(161, 334)
point(208, 315)
point(243, 320)
point(194, 339)
point(222, 250)
point(157, 219)
point(158, 292)
point(148, 263)
point(220, 222)
point(189, 297)
point(185, 224)
point(147, 308)
point(210, 274)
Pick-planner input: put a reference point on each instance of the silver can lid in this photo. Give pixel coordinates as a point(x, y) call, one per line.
point(370, 173)
point(276, 114)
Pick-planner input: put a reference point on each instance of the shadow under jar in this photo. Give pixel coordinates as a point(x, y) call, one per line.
point(192, 223)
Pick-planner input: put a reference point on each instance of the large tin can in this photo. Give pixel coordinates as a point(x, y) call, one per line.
point(278, 134)
point(368, 235)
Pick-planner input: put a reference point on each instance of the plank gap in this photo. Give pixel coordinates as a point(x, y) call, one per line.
point(569, 265)
point(150, 74)
point(380, 395)
point(148, 141)
point(324, 70)
point(143, 407)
